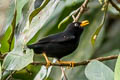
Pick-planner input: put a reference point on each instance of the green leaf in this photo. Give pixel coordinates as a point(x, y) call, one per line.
point(4, 41)
point(67, 19)
point(41, 74)
point(117, 69)
point(44, 72)
point(96, 70)
point(39, 20)
point(16, 59)
point(95, 35)
point(36, 11)
point(24, 20)
point(7, 10)
point(64, 21)
point(19, 5)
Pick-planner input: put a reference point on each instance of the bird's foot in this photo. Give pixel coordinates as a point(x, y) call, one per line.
point(71, 63)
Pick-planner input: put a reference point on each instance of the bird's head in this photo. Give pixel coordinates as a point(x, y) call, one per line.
point(77, 26)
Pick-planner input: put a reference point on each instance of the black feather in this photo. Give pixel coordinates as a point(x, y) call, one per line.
point(60, 44)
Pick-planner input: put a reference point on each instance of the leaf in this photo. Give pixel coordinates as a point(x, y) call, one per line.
point(24, 20)
point(4, 41)
point(17, 60)
point(96, 70)
point(41, 74)
point(19, 5)
point(7, 10)
point(64, 21)
point(95, 35)
point(117, 69)
point(36, 11)
point(38, 21)
point(44, 72)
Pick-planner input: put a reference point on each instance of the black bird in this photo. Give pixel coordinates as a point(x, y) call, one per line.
point(60, 44)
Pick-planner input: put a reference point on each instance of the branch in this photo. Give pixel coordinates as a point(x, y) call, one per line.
point(79, 63)
point(81, 10)
point(115, 6)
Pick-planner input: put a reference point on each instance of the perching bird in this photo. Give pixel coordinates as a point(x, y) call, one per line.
point(60, 44)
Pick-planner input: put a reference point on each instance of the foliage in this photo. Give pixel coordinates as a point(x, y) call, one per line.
point(22, 24)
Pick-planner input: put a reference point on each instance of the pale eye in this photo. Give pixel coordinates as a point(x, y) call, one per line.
point(76, 24)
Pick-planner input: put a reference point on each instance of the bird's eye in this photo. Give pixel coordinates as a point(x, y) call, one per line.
point(76, 24)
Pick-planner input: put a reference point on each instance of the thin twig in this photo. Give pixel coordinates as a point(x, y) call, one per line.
point(79, 63)
point(115, 6)
point(81, 10)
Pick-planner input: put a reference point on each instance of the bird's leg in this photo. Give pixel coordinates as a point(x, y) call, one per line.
point(71, 63)
point(46, 58)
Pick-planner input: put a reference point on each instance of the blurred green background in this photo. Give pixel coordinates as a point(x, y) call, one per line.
point(16, 20)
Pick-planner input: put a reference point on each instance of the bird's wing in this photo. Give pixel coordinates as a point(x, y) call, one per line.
point(57, 38)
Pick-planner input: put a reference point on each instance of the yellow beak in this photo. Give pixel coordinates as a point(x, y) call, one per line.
point(84, 23)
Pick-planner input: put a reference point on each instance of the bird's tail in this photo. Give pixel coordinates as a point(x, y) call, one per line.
point(31, 46)
point(37, 49)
